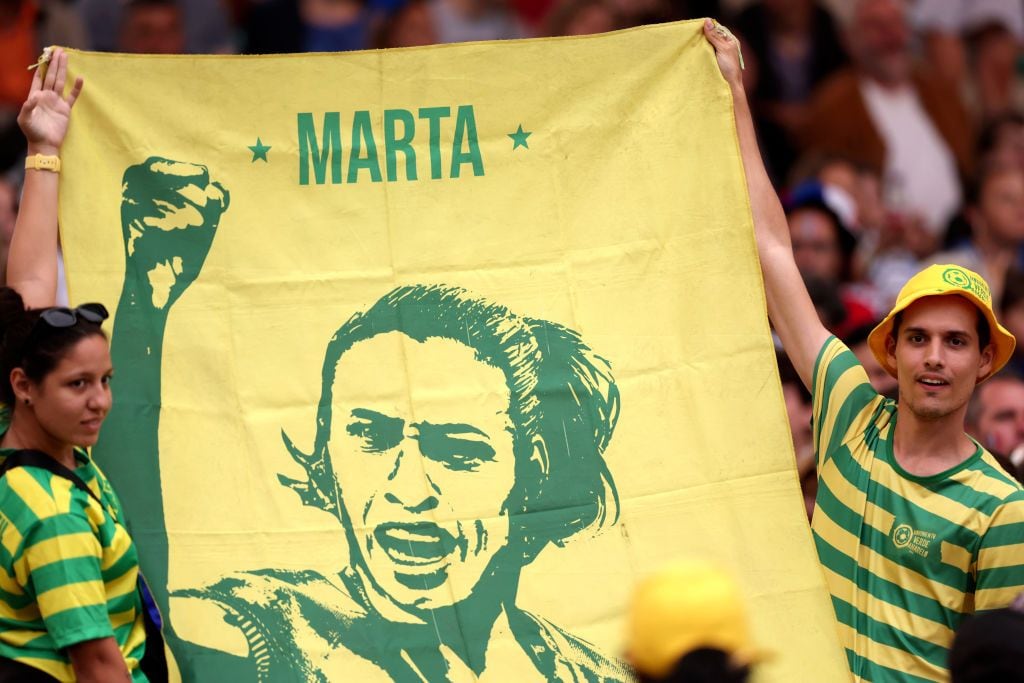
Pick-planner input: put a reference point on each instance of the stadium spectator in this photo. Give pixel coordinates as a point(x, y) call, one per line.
point(897, 120)
point(853, 193)
point(793, 45)
point(411, 25)
point(1012, 314)
point(1001, 141)
point(822, 243)
point(974, 44)
point(154, 27)
point(205, 24)
point(995, 214)
point(460, 21)
point(995, 417)
point(583, 17)
point(687, 624)
point(823, 247)
point(278, 26)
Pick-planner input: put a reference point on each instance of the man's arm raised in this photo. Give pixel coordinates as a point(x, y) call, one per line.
point(789, 306)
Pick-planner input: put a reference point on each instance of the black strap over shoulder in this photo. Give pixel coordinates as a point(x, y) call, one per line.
point(27, 457)
point(33, 458)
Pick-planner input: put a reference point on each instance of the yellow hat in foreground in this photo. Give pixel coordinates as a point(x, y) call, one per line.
point(686, 606)
point(943, 280)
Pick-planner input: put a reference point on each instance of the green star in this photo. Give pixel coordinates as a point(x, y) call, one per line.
point(519, 138)
point(259, 150)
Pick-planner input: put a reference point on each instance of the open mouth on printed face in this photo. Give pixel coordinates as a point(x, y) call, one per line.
point(423, 544)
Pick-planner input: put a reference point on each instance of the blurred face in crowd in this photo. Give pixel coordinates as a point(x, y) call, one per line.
point(327, 13)
point(1000, 421)
point(594, 17)
point(1000, 209)
point(815, 244)
point(871, 211)
point(1012, 318)
point(879, 40)
point(636, 8)
point(412, 26)
point(1009, 145)
point(995, 61)
point(152, 29)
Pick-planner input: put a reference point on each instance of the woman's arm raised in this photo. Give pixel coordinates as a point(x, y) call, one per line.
point(32, 261)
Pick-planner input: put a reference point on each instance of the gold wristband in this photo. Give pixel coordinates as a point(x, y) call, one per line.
point(41, 162)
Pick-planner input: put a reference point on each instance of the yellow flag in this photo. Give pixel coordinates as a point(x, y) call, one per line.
point(424, 356)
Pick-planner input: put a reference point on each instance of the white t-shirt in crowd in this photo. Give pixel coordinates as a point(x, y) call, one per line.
point(920, 170)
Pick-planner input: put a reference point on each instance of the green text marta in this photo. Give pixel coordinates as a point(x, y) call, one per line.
point(403, 146)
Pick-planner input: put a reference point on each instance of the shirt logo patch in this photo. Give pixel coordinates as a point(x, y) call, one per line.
point(906, 537)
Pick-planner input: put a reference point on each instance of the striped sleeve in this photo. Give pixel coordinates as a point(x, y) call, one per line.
point(1001, 557)
point(840, 392)
point(61, 556)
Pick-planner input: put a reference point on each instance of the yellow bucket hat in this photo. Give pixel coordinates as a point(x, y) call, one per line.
point(943, 280)
point(686, 606)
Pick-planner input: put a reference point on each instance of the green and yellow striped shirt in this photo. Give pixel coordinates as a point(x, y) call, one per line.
point(905, 557)
point(68, 568)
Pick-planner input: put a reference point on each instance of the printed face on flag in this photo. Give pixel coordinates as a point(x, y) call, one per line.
point(422, 449)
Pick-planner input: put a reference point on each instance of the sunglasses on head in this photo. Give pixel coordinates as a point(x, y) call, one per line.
point(60, 316)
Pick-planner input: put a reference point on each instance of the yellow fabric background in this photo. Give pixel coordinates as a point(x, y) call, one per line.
point(626, 220)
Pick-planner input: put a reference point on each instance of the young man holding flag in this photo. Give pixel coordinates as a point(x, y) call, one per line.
point(916, 525)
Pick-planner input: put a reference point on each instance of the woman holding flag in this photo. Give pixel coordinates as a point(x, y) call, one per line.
point(70, 607)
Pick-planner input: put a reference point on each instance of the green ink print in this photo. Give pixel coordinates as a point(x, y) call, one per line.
point(465, 134)
point(559, 412)
point(450, 567)
point(311, 152)
point(259, 151)
point(160, 264)
point(362, 139)
point(434, 115)
point(394, 144)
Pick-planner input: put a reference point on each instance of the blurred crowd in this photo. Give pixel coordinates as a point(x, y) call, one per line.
point(893, 129)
